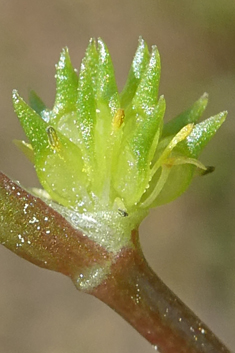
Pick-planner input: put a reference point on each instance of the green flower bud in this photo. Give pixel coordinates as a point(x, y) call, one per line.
point(104, 158)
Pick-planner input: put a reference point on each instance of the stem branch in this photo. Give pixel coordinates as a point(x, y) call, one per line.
point(135, 292)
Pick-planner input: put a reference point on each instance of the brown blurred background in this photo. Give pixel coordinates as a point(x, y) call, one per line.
point(190, 243)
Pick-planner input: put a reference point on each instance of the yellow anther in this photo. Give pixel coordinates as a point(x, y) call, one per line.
point(118, 119)
point(52, 138)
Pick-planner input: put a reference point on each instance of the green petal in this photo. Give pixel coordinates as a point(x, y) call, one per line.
point(86, 104)
point(181, 175)
point(138, 66)
point(36, 103)
point(59, 162)
point(143, 136)
point(191, 115)
point(147, 92)
point(133, 167)
point(201, 135)
point(178, 181)
point(61, 171)
point(107, 105)
point(34, 127)
point(66, 85)
point(78, 125)
point(107, 94)
point(90, 62)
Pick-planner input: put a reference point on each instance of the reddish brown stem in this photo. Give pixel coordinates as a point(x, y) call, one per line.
point(139, 296)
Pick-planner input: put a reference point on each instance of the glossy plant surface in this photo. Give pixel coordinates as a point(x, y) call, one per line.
point(105, 159)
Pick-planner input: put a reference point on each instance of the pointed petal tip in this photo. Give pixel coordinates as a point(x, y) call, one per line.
point(15, 94)
point(223, 115)
point(155, 51)
point(203, 100)
point(205, 96)
point(100, 41)
point(63, 60)
point(64, 52)
point(101, 49)
point(220, 117)
point(141, 41)
point(92, 40)
point(15, 98)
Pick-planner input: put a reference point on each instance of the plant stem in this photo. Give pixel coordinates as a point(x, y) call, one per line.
point(135, 292)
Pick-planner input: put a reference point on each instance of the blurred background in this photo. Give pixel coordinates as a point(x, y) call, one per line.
point(189, 243)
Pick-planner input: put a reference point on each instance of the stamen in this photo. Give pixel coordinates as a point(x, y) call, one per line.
point(185, 160)
point(53, 138)
point(122, 213)
point(180, 136)
point(158, 188)
point(118, 119)
point(208, 170)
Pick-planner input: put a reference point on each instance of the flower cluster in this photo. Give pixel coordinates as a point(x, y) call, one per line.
point(103, 158)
